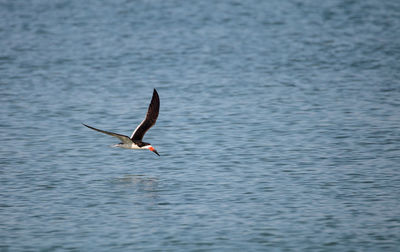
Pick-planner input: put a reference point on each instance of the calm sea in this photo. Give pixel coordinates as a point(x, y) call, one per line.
point(279, 127)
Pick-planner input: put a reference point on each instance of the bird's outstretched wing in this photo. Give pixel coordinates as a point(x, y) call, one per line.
point(150, 120)
point(123, 138)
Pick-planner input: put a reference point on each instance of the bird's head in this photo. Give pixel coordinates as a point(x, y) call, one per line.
point(152, 149)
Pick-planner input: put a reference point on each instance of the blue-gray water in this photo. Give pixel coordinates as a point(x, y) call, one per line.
point(278, 129)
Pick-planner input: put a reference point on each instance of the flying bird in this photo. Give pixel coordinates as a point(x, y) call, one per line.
point(135, 141)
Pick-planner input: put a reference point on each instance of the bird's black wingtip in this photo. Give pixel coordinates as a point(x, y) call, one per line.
point(86, 125)
point(155, 94)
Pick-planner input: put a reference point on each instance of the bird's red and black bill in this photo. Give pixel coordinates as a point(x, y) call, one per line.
point(154, 150)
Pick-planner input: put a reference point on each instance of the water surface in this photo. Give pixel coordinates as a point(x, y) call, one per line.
point(278, 129)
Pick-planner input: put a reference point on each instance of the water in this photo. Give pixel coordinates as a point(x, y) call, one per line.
point(278, 129)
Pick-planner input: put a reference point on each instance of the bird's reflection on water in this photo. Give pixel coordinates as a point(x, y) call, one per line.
point(138, 181)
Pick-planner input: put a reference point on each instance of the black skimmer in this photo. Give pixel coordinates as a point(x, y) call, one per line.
point(135, 141)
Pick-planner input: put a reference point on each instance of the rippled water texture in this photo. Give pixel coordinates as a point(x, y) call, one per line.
point(278, 129)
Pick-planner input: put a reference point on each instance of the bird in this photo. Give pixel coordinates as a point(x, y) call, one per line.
point(135, 141)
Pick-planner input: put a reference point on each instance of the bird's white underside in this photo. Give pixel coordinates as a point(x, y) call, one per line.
point(131, 146)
